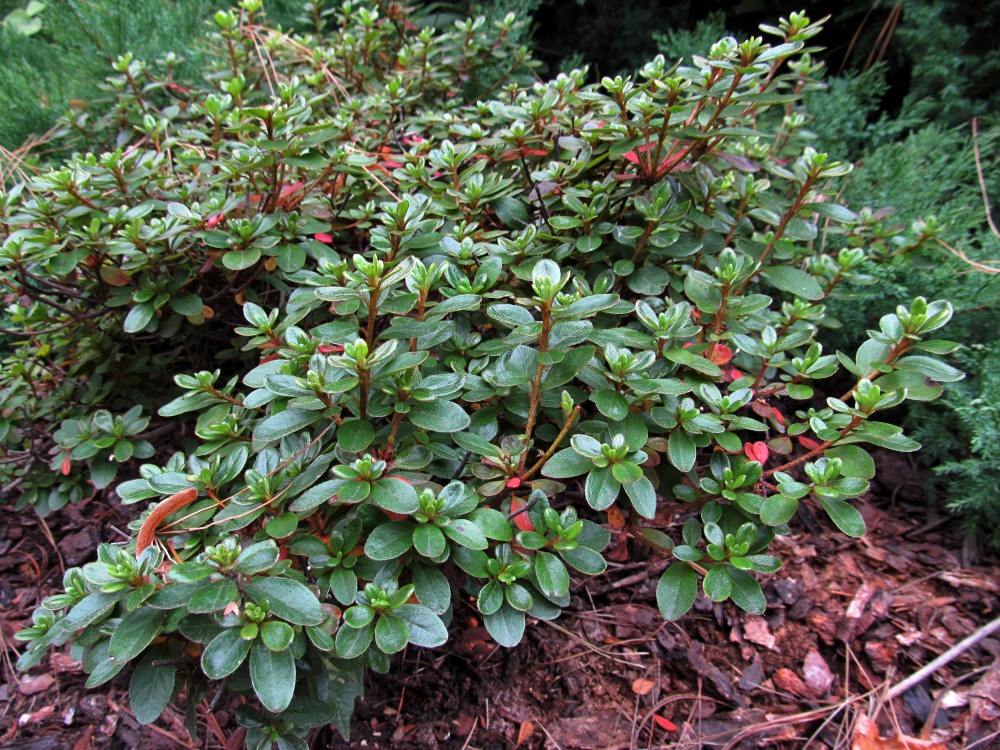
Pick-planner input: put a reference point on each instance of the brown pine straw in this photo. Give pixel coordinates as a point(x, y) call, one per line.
point(979, 174)
point(12, 163)
point(885, 35)
point(257, 34)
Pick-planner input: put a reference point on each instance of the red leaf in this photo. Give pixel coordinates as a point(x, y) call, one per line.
point(758, 452)
point(65, 468)
point(329, 348)
point(664, 723)
point(521, 520)
point(731, 374)
point(719, 354)
point(323, 237)
point(808, 443)
point(513, 483)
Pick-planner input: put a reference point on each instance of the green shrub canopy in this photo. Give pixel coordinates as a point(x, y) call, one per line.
point(489, 324)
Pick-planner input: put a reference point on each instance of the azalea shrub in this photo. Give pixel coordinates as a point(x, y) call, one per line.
point(492, 330)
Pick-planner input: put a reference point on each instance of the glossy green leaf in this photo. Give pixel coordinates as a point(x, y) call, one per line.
point(676, 590)
point(224, 654)
point(288, 599)
point(272, 674)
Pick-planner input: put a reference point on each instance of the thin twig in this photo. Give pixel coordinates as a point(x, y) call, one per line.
point(979, 173)
point(947, 657)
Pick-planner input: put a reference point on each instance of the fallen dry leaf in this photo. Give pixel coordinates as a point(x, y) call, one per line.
point(527, 729)
point(642, 686)
point(663, 723)
point(867, 737)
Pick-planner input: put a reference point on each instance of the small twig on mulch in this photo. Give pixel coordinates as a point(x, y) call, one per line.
point(948, 656)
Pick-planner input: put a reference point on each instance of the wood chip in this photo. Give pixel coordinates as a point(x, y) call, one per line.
point(816, 672)
point(789, 682)
point(32, 684)
point(755, 630)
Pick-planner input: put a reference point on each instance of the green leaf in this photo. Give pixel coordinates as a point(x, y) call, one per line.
point(136, 631)
point(702, 290)
point(352, 642)
point(186, 304)
point(391, 634)
point(490, 597)
point(432, 588)
point(681, 450)
point(151, 688)
point(506, 625)
point(258, 557)
point(466, 533)
point(390, 540)
point(283, 423)
point(601, 488)
point(396, 495)
point(428, 540)
point(288, 599)
point(717, 583)
point(794, 281)
point(224, 654)
point(611, 404)
point(643, 497)
point(846, 516)
point(857, 461)
point(439, 416)
point(746, 593)
point(472, 442)
point(238, 260)
point(189, 572)
point(90, 609)
point(277, 635)
point(566, 463)
point(272, 674)
point(138, 318)
point(778, 509)
point(283, 526)
point(676, 590)
point(425, 628)
point(510, 316)
point(354, 435)
point(518, 597)
point(626, 472)
point(553, 578)
point(316, 496)
point(585, 560)
point(213, 597)
point(101, 666)
point(492, 523)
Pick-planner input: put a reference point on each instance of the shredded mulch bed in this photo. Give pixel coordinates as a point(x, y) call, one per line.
point(847, 621)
